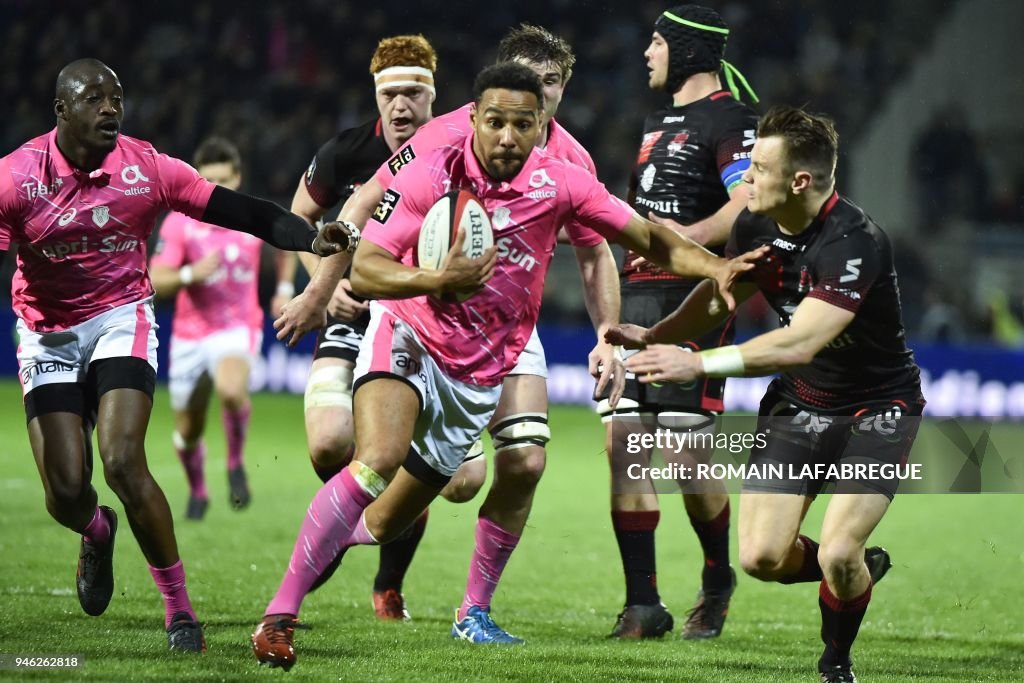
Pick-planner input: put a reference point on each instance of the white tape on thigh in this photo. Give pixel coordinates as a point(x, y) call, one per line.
point(521, 430)
point(329, 387)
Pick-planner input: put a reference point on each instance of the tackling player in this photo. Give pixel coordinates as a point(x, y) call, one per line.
point(849, 389)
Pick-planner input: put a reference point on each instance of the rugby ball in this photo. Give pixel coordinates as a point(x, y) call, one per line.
point(455, 211)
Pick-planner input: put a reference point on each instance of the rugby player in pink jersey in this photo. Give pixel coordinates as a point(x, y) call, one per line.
point(429, 372)
point(519, 429)
point(80, 202)
point(217, 327)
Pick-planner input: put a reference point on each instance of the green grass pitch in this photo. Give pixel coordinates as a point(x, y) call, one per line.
point(950, 610)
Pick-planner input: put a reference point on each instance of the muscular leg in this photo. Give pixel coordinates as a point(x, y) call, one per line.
point(845, 591)
point(231, 382)
point(518, 465)
point(467, 481)
point(189, 427)
point(634, 508)
point(121, 428)
point(328, 408)
point(384, 437)
point(769, 524)
point(58, 446)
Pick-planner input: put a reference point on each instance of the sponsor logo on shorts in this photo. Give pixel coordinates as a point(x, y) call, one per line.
point(673, 119)
point(401, 158)
point(387, 206)
point(35, 369)
point(404, 361)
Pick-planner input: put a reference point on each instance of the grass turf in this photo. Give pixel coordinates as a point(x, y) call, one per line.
point(950, 609)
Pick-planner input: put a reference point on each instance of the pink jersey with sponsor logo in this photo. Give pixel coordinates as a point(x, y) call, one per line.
point(229, 297)
point(82, 236)
point(452, 129)
point(479, 340)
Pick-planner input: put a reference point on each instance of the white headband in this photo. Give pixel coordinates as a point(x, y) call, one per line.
point(402, 76)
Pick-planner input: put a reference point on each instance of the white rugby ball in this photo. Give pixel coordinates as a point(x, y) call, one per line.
point(455, 211)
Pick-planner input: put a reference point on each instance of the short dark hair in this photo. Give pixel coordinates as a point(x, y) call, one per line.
point(508, 76)
point(537, 44)
point(217, 150)
point(811, 139)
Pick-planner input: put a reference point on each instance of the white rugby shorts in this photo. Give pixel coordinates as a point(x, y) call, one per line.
point(192, 359)
point(532, 360)
point(64, 356)
point(453, 414)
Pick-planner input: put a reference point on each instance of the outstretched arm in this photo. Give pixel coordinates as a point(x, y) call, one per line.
point(271, 223)
point(684, 257)
point(815, 323)
point(601, 295)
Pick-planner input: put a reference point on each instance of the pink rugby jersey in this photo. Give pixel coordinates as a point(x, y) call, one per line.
point(82, 236)
point(453, 128)
point(479, 341)
point(229, 298)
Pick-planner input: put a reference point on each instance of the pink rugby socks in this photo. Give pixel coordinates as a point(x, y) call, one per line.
point(494, 546)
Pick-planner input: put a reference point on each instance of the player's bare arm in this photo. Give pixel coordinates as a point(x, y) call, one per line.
point(377, 273)
point(684, 257)
point(601, 296)
point(691, 320)
point(815, 323)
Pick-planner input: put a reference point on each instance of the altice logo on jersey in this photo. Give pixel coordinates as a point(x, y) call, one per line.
point(131, 175)
point(538, 180)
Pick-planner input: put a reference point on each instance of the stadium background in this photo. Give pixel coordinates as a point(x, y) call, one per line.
point(926, 96)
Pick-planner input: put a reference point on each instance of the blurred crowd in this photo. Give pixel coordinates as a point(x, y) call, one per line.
point(279, 78)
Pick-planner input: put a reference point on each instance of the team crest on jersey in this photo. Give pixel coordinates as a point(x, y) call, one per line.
point(647, 178)
point(100, 215)
point(401, 158)
point(387, 206)
point(501, 217)
point(677, 143)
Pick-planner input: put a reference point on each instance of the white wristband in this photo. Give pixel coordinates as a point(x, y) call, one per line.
point(285, 289)
point(726, 361)
point(185, 275)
